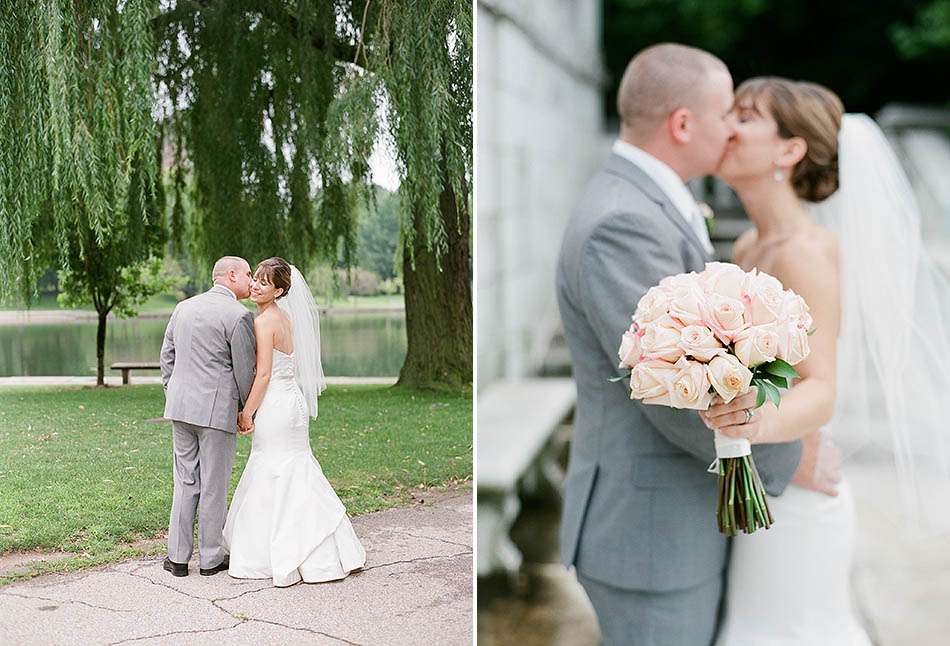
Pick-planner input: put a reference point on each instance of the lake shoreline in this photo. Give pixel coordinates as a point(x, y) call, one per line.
point(148, 379)
point(52, 317)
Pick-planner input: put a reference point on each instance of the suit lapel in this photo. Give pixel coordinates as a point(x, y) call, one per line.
point(627, 170)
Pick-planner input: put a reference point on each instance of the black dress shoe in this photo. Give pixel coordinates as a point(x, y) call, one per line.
point(221, 567)
point(177, 569)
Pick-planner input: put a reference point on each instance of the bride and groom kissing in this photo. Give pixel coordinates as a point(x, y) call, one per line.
point(227, 372)
point(836, 222)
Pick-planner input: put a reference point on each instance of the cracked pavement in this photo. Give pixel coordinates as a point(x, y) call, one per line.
point(416, 588)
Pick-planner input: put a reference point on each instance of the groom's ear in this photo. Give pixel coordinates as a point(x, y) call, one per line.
point(678, 124)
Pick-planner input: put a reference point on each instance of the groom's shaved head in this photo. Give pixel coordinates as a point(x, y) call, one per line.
point(226, 264)
point(661, 79)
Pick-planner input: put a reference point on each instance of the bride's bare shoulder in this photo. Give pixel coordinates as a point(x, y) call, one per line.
point(267, 320)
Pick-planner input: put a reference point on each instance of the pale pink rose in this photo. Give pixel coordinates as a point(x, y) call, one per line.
point(688, 305)
point(757, 345)
point(650, 381)
point(726, 317)
point(726, 279)
point(690, 386)
point(668, 321)
point(679, 281)
point(729, 378)
point(766, 302)
point(796, 347)
point(630, 348)
point(654, 304)
point(762, 280)
point(796, 311)
point(660, 341)
point(699, 342)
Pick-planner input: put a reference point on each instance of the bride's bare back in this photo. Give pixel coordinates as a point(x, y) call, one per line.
point(275, 322)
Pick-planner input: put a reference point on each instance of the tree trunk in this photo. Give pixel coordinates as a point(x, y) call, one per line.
point(439, 305)
point(101, 349)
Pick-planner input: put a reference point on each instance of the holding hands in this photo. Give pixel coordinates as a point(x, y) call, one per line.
point(245, 423)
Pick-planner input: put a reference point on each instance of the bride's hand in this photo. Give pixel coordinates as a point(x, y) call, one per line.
point(732, 420)
point(245, 423)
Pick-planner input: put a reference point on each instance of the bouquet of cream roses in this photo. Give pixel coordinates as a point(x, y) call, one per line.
point(719, 332)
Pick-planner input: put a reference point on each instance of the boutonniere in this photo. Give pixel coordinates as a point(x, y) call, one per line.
point(708, 216)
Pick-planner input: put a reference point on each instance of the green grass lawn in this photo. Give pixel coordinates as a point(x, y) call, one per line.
point(46, 301)
point(88, 471)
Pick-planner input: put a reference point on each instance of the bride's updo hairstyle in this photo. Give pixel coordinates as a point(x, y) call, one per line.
point(276, 271)
point(806, 110)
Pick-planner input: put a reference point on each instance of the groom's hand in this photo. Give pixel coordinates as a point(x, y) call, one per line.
point(820, 466)
point(245, 424)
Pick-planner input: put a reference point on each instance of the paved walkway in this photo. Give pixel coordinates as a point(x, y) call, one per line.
point(416, 588)
point(138, 381)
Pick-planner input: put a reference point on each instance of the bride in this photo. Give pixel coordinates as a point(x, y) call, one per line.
point(854, 253)
point(285, 522)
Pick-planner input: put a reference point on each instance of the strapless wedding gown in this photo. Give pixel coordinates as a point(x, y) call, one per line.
point(285, 522)
point(789, 585)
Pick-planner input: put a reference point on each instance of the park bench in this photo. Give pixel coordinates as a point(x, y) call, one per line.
point(128, 366)
point(517, 421)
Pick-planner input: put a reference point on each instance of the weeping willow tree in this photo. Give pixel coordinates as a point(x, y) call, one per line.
point(264, 115)
point(77, 156)
point(271, 111)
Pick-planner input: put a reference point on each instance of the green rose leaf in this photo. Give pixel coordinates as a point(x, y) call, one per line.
point(780, 368)
point(772, 393)
point(760, 397)
point(779, 382)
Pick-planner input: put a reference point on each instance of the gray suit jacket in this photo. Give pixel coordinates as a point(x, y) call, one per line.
point(639, 507)
point(208, 359)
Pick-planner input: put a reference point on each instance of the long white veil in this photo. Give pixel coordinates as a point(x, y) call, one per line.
point(304, 316)
point(893, 396)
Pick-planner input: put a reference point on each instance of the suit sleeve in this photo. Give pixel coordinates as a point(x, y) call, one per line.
point(621, 260)
point(167, 356)
point(243, 355)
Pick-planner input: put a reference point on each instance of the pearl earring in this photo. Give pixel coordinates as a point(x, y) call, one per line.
point(778, 175)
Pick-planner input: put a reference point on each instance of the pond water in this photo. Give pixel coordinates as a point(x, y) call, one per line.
point(357, 345)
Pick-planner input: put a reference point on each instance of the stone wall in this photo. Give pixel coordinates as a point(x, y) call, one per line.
point(539, 81)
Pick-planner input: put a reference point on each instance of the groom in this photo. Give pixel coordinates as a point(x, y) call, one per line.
point(639, 507)
point(208, 359)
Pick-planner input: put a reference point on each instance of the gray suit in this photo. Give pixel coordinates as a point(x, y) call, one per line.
point(639, 507)
point(208, 359)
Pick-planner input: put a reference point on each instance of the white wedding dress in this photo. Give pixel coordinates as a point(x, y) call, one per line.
point(285, 522)
point(789, 585)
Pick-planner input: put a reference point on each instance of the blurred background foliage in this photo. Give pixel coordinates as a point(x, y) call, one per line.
point(870, 53)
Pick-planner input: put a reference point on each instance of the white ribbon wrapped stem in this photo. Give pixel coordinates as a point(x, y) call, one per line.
point(729, 447)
